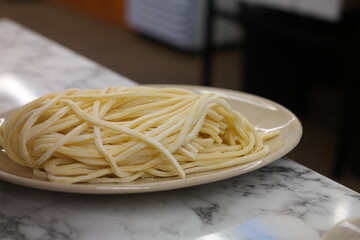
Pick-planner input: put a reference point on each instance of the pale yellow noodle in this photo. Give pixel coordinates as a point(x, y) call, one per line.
point(121, 134)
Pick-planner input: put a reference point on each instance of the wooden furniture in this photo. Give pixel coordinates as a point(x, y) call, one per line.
point(112, 11)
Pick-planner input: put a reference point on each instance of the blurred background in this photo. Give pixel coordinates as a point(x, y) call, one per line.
point(303, 54)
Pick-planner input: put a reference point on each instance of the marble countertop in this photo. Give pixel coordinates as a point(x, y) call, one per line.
point(281, 201)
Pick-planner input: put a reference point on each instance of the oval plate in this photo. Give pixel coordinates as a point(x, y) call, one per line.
point(264, 114)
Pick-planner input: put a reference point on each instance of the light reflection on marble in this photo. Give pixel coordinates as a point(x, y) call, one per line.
point(269, 227)
point(15, 89)
point(31, 66)
point(284, 199)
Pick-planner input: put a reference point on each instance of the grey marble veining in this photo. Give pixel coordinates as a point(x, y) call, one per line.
point(281, 201)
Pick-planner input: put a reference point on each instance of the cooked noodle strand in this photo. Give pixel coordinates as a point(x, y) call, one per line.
point(121, 134)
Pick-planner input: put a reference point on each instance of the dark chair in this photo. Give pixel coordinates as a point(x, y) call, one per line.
point(286, 53)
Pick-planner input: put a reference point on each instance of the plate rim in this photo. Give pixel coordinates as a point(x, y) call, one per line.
point(175, 183)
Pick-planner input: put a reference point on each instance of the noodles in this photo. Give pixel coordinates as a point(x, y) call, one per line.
point(118, 135)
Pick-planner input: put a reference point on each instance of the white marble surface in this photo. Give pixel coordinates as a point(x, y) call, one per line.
point(282, 201)
point(31, 66)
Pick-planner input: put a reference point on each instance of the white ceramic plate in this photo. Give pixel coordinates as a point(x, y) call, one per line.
point(262, 113)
